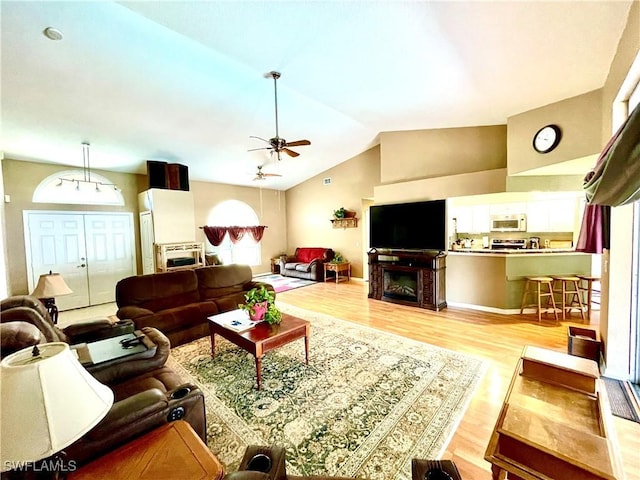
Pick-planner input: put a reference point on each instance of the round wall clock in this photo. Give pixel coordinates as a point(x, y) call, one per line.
point(547, 138)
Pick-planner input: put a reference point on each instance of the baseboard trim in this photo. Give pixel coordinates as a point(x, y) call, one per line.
point(483, 308)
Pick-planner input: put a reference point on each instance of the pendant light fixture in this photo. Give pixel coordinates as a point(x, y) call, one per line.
point(86, 173)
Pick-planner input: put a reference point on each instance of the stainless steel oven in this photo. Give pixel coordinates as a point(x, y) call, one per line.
point(509, 223)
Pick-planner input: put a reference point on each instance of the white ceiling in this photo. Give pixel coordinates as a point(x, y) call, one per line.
point(182, 81)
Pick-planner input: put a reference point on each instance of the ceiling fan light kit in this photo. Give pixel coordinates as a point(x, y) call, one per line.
point(276, 143)
point(260, 175)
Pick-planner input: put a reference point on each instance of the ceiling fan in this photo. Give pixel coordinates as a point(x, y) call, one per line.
point(260, 175)
point(278, 144)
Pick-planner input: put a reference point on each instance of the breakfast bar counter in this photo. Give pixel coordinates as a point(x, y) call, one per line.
point(494, 280)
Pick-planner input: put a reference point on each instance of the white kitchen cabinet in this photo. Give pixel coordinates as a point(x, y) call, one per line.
point(464, 219)
point(472, 218)
point(173, 214)
point(552, 215)
point(166, 217)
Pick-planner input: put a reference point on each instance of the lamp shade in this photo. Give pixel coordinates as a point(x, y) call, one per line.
point(48, 401)
point(51, 285)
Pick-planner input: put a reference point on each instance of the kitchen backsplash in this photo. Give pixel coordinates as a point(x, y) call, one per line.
point(554, 239)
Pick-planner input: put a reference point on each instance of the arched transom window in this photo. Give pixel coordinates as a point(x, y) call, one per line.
point(72, 187)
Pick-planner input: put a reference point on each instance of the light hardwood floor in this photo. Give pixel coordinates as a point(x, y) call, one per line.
point(496, 338)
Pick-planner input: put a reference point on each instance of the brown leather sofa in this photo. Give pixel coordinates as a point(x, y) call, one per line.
point(306, 263)
point(178, 303)
point(147, 394)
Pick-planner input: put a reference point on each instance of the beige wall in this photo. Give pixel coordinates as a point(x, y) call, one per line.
point(268, 204)
point(416, 154)
point(21, 179)
point(310, 207)
point(580, 120)
point(475, 183)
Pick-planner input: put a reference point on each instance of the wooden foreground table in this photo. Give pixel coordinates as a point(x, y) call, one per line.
point(172, 451)
point(555, 423)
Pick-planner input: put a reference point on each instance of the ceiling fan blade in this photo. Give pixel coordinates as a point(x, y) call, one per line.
point(259, 138)
point(291, 153)
point(271, 174)
point(298, 143)
point(261, 148)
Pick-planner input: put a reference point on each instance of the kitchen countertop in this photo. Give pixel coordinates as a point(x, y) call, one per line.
point(514, 252)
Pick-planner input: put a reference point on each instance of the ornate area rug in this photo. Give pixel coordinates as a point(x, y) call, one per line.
point(367, 403)
point(282, 284)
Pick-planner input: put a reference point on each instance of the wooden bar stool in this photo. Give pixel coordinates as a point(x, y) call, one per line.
point(539, 287)
point(586, 287)
point(567, 286)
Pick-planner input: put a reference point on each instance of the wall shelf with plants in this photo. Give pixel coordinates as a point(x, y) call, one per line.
point(345, 222)
point(343, 218)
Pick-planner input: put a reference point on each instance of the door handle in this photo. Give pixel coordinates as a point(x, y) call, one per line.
point(81, 265)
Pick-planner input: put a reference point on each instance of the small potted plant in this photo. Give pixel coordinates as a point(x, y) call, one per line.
point(259, 302)
point(338, 258)
point(339, 213)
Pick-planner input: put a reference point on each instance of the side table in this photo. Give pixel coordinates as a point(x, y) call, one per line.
point(171, 451)
point(275, 265)
point(342, 271)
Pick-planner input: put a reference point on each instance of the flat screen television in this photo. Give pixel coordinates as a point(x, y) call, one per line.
point(409, 226)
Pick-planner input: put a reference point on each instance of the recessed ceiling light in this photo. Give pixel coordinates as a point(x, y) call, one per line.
point(52, 33)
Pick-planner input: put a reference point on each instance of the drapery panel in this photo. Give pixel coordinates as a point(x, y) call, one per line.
point(216, 234)
point(614, 181)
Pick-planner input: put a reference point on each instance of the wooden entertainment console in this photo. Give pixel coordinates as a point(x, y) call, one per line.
point(408, 277)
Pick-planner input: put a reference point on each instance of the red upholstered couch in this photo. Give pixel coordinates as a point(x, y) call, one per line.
point(306, 263)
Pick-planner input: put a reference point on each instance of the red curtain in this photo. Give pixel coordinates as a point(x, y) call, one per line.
point(215, 235)
point(236, 233)
point(256, 232)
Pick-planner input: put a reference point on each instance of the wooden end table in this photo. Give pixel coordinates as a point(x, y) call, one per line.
point(173, 450)
point(264, 337)
point(338, 268)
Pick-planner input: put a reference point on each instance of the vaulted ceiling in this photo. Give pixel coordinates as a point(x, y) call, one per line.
point(183, 81)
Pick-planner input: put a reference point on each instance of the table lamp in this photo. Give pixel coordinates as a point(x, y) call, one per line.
point(51, 285)
point(47, 402)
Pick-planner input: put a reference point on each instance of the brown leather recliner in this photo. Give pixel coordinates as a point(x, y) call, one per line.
point(26, 308)
point(268, 463)
point(147, 394)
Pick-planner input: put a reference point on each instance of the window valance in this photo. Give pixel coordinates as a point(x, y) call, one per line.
point(216, 234)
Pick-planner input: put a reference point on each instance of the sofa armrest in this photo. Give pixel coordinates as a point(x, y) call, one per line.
point(126, 411)
point(287, 259)
point(315, 262)
point(97, 329)
point(132, 312)
point(136, 415)
point(253, 284)
point(118, 372)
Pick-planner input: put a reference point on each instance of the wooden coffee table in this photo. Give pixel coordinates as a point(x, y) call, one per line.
point(264, 337)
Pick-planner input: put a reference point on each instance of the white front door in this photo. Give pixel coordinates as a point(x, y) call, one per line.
point(92, 251)
point(109, 254)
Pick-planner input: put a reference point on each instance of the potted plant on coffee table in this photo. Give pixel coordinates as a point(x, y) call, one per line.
point(259, 302)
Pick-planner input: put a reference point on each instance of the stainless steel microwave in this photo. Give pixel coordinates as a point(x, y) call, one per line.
point(509, 223)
